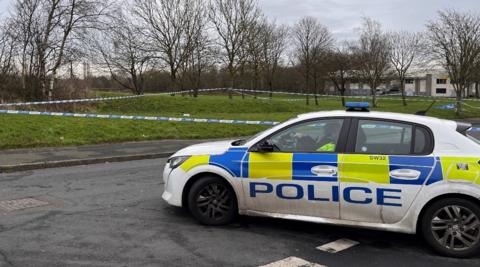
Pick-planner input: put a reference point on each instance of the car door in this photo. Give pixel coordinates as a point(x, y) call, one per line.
point(386, 165)
point(300, 175)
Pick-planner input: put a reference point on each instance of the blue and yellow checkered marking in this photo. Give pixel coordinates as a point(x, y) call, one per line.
point(231, 161)
point(352, 168)
point(422, 164)
point(303, 163)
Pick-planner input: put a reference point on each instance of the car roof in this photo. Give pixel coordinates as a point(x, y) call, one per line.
point(424, 120)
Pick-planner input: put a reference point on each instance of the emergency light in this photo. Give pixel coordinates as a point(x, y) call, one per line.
point(357, 106)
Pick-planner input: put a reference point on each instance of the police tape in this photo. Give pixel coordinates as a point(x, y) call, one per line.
point(189, 91)
point(267, 98)
point(68, 101)
point(151, 118)
point(379, 97)
point(85, 100)
point(128, 117)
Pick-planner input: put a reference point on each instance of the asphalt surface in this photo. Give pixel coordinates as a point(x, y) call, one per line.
point(113, 215)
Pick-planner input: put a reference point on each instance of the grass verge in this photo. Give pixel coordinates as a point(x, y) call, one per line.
point(19, 131)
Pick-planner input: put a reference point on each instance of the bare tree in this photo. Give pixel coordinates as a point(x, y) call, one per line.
point(26, 21)
point(232, 20)
point(46, 28)
point(121, 50)
point(253, 49)
point(202, 58)
point(202, 55)
point(171, 27)
point(340, 68)
point(373, 56)
point(455, 42)
point(7, 56)
point(476, 79)
point(274, 43)
point(407, 50)
point(311, 39)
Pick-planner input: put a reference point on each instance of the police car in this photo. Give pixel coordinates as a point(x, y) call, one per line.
point(378, 170)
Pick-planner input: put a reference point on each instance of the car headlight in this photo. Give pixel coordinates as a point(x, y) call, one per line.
point(174, 162)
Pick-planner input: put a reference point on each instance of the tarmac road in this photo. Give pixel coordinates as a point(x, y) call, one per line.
point(113, 215)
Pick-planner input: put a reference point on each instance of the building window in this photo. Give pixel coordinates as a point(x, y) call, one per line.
point(441, 90)
point(409, 81)
point(441, 81)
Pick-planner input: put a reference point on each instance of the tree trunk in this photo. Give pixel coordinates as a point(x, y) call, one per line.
point(51, 86)
point(477, 90)
point(232, 82)
point(270, 86)
point(374, 97)
point(173, 80)
point(459, 102)
point(72, 74)
point(307, 83)
point(315, 86)
point(402, 89)
point(342, 93)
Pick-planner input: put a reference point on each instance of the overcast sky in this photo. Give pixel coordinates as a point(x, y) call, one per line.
point(344, 16)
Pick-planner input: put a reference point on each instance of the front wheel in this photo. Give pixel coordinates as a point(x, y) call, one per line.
point(452, 227)
point(212, 201)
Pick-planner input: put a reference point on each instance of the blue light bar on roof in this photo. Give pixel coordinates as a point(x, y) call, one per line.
point(357, 106)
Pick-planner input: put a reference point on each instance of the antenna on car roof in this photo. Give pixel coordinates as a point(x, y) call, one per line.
point(424, 112)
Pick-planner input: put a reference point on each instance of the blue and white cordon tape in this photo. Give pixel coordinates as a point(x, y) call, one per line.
point(417, 98)
point(125, 117)
point(70, 101)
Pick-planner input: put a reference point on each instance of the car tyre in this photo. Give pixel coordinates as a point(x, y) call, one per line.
point(212, 201)
point(451, 227)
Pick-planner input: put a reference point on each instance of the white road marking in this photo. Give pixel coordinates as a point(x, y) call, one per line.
point(292, 262)
point(338, 245)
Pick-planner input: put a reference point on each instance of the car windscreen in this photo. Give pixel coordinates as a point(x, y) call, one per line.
point(474, 134)
point(244, 141)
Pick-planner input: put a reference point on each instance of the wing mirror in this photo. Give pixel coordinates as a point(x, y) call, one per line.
point(264, 147)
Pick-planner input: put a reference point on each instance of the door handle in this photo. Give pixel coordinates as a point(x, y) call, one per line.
point(405, 174)
point(324, 170)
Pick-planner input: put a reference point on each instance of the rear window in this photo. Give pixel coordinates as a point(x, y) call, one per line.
point(474, 134)
point(380, 137)
point(392, 138)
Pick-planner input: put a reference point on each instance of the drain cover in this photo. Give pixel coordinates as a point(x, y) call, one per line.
point(20, 204)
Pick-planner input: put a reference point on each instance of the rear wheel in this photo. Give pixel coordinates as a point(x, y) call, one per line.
point(212, 201)
point(452, 227)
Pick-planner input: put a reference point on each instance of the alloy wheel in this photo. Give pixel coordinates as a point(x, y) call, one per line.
point(456, 227)
point(214, 201)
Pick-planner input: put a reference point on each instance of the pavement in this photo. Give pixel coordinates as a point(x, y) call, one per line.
point(113, 215)
point(38, 158)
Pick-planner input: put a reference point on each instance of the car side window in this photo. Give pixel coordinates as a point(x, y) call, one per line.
point(382, 137)
point(312, 136)
point(422, 141)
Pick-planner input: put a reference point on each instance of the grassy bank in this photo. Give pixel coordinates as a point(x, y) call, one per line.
point(37, 131)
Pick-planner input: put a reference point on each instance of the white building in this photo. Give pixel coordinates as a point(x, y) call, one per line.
point(434, 83)
point(437, 84)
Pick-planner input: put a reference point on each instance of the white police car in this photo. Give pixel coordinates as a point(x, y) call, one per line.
point(388, 171)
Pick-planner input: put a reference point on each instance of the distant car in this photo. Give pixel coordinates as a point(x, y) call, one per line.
point(391, 91)
point(386, 171)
